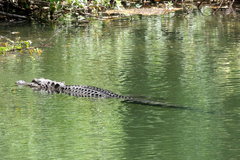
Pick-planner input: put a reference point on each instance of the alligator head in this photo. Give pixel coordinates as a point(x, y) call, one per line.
point(48, 84)
point(30, 84)
point(43, 84)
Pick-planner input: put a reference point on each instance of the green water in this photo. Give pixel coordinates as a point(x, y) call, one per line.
point(184, 60)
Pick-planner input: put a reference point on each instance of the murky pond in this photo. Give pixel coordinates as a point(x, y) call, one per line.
point(184, 60)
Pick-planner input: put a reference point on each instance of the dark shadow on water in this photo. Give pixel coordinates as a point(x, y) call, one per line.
point(166, 105)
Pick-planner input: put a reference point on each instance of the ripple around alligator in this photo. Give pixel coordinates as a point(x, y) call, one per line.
point(53, 87)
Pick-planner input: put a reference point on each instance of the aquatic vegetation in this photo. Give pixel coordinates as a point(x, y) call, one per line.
point(18, 46)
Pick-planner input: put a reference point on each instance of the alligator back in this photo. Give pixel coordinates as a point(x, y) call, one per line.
point(90, 91)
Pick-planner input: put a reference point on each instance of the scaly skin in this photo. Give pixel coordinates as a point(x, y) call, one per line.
point(73, 90)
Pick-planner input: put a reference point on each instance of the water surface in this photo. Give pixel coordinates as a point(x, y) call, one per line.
point(184, 60)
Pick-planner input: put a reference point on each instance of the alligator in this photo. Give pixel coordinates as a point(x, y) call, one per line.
point(50, 86)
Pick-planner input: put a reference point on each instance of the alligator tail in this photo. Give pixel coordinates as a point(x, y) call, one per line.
point(154, 103)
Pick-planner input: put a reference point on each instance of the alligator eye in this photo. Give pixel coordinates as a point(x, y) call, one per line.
point(34, 81)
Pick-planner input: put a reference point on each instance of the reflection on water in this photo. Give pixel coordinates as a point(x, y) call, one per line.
point(189, 61)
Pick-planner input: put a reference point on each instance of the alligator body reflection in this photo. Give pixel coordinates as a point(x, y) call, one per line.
point(51, 86)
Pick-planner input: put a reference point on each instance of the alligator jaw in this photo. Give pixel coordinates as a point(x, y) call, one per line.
point(30, 84)
point(21, 82)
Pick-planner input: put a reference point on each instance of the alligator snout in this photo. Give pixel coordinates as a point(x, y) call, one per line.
point(24, 83)
point(21, 82)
